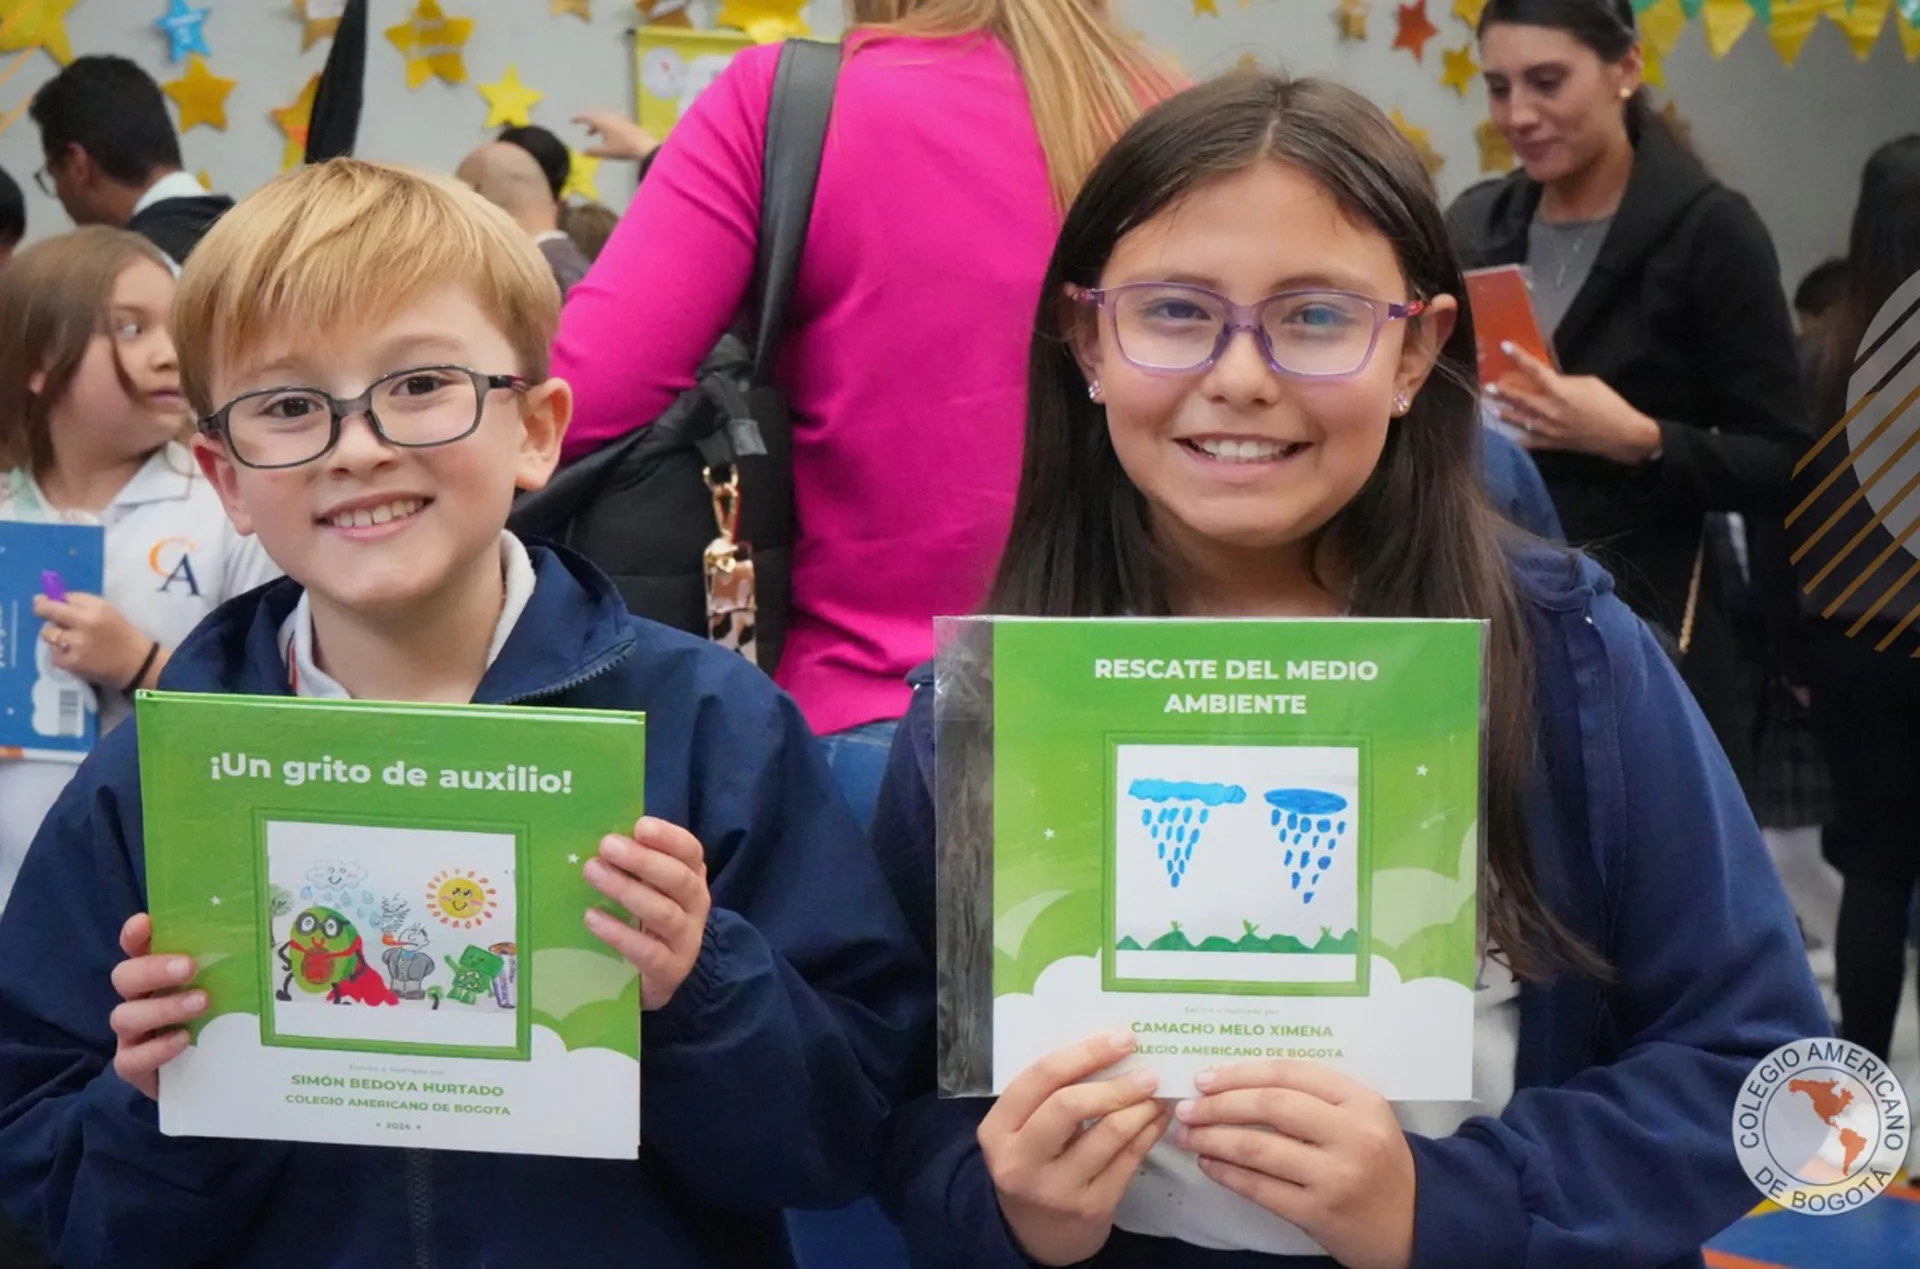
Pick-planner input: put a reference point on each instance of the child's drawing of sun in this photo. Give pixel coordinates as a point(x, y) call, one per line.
point(461, 898)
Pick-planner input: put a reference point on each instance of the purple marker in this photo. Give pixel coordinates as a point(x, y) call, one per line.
point(52, 587)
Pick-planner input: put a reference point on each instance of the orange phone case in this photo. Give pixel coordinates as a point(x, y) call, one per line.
point(1503, 313)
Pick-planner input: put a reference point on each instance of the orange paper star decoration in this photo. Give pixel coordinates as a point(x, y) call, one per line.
point(321, 18)
point(665, 12)
point(1352, 17)
point(201, 95)
point(1415, 29)
point(1422, 140)
point(578, 8)
point(433, 44)
point(1460, 68)
point(1469, 11)
point(37, 24)
point(1495, 154)
point(294, 120)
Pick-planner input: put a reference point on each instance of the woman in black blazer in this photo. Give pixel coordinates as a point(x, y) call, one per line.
point(1677, 392)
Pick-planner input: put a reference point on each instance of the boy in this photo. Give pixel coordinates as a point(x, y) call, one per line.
point(781, 993)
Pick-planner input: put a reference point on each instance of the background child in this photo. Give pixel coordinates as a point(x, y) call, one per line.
point(781, 991)
point(1325, 464)
point(91, 417)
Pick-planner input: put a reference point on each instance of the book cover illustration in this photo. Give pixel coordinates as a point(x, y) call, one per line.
point(1235, 839)
point(386, 905)
point(45, 711)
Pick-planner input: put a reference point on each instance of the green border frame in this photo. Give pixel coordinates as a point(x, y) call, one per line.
point(1110, 980)
point(522, 1048)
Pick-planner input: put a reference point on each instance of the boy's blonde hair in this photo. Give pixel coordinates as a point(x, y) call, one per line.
point(352, 241)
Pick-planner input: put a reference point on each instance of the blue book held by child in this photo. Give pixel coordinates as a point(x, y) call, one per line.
point(45, 711)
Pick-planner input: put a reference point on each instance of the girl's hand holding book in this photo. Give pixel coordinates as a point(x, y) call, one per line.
point(151, 1023)
point(1062, 1152)
point(659, 875)
point(92, 639)
point(1314, 1147)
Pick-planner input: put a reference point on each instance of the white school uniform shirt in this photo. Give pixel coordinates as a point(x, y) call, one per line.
point(306, 677)
point(172, 557)
point(1172, 1198)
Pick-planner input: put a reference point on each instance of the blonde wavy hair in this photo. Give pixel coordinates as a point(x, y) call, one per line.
point(1086, 78)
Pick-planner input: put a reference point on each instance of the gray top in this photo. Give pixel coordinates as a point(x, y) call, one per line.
point(568, 262)
point(1560, 255)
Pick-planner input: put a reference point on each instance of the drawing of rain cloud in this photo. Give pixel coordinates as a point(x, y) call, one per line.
point(1312, 826)
point(1177, 817)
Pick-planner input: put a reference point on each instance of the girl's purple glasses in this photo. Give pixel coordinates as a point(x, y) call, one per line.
point(1173, 328)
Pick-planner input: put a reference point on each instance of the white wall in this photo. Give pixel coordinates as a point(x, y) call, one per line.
point(1792, 139)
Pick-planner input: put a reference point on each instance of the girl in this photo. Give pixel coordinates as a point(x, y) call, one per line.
point(90, 420)
point(1323, 462)
point(1678, 392)
point(1866, 702)
point(961, 129)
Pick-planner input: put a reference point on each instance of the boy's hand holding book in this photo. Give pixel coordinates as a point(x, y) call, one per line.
point(659, 875)
point(150, 1024)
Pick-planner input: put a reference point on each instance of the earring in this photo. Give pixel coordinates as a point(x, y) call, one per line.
point(1093, 390)
point(1401, 404)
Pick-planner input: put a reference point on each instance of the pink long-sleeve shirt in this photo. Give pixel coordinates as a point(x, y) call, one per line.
point(905, 360)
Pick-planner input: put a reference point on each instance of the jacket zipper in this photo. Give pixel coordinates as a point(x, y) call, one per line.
point(567, 685)
point(420, 1207)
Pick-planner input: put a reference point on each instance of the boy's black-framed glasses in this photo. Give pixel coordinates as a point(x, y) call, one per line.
point(417, 408)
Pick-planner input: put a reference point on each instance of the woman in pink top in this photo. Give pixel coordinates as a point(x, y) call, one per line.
point(960, 128)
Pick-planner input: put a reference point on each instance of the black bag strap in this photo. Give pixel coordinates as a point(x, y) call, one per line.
point(797, 116)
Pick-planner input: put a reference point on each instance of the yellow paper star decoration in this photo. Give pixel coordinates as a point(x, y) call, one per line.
point(1469, 11)
point(37, 24)
point(665, 12)
point(205, 178)
point(1495, 154)
point(1204, 8)
point(764, 21)
point(1248, 64)
point(1661, 26)
point(1352, 18)
point(1862, 22)
point(509, 101)
point(1422, 140)
point(201, 95)
point(294, 120)
point(433, 44)
point(1459, 68)
point(583, 177)
point(1909, 38)
point(321, 19)
point(1726, 21)
point(1792, 25)
point(578, 8)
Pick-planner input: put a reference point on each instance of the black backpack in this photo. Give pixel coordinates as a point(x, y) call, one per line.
point(641, 509)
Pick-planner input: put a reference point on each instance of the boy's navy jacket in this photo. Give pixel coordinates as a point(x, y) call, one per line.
point(1617, 1148)
point(766, 1079)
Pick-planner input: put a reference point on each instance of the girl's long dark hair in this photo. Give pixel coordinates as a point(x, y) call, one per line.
point(1608, 28)
point(1884, 251)
point(1420, 537)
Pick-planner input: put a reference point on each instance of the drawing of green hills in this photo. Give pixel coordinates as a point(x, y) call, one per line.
point(1176, 940)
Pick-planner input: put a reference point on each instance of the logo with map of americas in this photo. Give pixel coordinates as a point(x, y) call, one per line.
point(1821, 1126)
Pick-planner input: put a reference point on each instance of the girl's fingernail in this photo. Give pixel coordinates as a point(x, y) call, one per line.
point(179, 967)
point(1506, 346)
point(1493, 390)
point(195, 1001)
point(1203, 1081)
point(1184, 1110)
point(1145, 1081)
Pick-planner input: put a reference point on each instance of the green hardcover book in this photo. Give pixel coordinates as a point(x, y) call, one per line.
point(1236, 839)
point(387, 907)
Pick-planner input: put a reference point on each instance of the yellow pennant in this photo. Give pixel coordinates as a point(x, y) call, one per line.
point(1863, 23)
point(1909, 39)
point(1792, 25)
point(1726, 21)
point(1661, 26)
